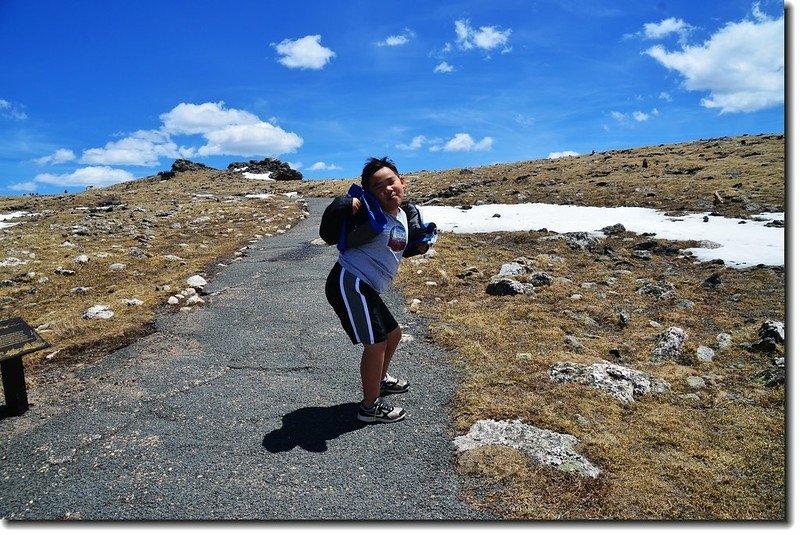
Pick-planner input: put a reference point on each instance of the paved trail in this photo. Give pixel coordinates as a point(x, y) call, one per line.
point(243, 409)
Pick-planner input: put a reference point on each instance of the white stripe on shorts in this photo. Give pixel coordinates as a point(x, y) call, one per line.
point(345, 298)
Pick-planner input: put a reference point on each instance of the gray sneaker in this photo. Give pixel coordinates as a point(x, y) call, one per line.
point(381, 411)
point(393, 385)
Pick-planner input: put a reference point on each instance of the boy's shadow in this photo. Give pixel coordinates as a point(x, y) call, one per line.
point(311, 427)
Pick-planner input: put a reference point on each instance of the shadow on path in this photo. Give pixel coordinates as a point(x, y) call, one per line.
point(311, 427)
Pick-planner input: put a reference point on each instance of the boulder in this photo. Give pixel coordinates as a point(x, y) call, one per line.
point(669, 345)
point(505, 286)
point(705, 354)
point(98, 312)
point(622, 383)
point(545, 447)
point(540, 278)
point(658, 289)
point(512, 269)
point(772, 330)
point(196, 281)
point(617, 228)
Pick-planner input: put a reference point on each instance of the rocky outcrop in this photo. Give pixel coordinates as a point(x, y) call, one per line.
point(182, 166)
point(622, 383)
point(543, 446)
point(277, 169)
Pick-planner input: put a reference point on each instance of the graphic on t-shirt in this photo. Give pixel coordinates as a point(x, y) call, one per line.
point(397, 238)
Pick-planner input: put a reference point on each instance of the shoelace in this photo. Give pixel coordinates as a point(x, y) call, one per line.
point(389, 380)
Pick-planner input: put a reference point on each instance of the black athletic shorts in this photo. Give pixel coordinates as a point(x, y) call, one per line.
point(364, 316)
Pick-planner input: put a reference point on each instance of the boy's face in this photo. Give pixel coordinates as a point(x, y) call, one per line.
point(388, 188)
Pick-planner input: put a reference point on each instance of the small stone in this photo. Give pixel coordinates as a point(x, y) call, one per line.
point(195, 300)
point(173, 300)
point(117, 266)
point(724, 341)
point(705, 354)
point(695, 383)
point(98, 312)
point(196, 281)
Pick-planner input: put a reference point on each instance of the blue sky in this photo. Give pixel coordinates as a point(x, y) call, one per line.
point(94, 93)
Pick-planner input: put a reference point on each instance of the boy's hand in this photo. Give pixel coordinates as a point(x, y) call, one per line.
point(356, 205)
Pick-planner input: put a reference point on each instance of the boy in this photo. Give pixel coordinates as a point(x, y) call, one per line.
point(374, 229)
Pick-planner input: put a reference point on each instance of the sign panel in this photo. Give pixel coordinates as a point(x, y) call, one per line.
point(17, 338)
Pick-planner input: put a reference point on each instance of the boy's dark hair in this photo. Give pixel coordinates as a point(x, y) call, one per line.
point(372, 166)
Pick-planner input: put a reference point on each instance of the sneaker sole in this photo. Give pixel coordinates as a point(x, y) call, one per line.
point(373, 419)
point(389, 392)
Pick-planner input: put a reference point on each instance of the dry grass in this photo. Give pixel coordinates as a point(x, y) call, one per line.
point(717, 453)
point(719, 456)
point(201, 217)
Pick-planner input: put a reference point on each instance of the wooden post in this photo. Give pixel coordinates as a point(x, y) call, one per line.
point(14, 386)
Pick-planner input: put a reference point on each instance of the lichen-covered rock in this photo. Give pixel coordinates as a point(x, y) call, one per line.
point(669, 345)
point(506, 286)
point(772, 330)
point(658, 289)
point(622, 383)
point(545, 447)
point(98, 312)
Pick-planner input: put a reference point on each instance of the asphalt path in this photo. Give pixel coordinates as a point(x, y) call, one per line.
point(243, 409)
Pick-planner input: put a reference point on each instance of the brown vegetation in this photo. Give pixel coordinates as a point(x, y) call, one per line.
point(713, 453)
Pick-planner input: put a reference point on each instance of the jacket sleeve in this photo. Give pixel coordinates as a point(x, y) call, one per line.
point(334, 218)
point(418, 232)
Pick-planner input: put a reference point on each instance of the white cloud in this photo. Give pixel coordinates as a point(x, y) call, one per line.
point(640, 116)
point(250, 140)
point(322, 166)
point(486, 38)
point(24, 186)
point(563, 154)
point(397, 40)
point(443, 67)
point(665, 96)
point(59, 156)
point(229, 131)
point(463, 142)
point(140, 148)
point(659, 30)
point(741, 66)
point(86, 176)
point(303, 53)
point(12, 111)
point(202, 118)
point(415, 143)
point(524, 120)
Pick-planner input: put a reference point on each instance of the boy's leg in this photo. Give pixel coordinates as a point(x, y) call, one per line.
point(392, 341)
point(372, 366)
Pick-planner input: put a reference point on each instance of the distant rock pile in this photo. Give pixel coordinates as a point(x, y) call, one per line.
point(277, 169)
point(182, 166)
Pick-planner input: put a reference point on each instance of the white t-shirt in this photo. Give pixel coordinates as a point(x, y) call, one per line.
point(376, 261)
